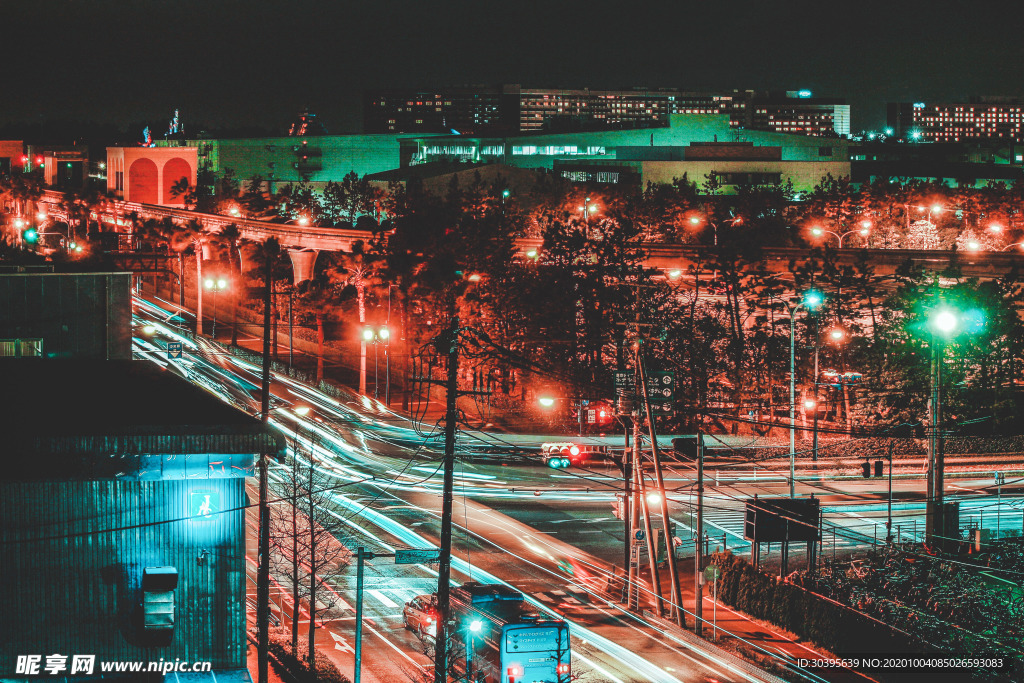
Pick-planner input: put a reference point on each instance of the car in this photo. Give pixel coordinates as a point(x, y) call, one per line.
point(420, 615)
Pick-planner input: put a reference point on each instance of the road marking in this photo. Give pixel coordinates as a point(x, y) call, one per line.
point(388, 602)
point(593, 665)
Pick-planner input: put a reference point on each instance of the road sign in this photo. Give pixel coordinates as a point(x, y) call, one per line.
point(661, 384)
point(174, 350)
point(639, 538)
point(418, 556)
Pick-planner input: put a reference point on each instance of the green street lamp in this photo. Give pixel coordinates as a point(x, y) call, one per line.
point(943, 323)
point(811, 300)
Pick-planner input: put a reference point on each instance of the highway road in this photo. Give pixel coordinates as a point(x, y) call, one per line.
point(549, 533)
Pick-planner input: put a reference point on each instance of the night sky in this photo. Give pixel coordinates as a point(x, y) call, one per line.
point(257, 63)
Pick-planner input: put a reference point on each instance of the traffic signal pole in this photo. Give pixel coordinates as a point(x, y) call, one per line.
point(445, 560)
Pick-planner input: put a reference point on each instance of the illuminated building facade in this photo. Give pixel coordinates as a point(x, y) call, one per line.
point(978, 118)
point(12, 156)
point(512, 109)
point(148, 174)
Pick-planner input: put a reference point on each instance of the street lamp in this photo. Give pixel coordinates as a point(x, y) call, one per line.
point(216, 285)
point(549, 401)
point(943, 323)
point(587, 209)
point(836, 334)
point(697, 220)
point(811, 300)
point(377, 335)
point(863, 231)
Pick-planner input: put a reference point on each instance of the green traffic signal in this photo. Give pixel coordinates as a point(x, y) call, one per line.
point(30, 236)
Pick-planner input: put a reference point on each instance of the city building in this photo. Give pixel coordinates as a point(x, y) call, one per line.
point(978, 118)
point(322, 159)
point(12, 156)
point(514, 109)
point(293, 159)
point(65, 167)
point(66, 315)
point(123, 522)
point(122, 496)
point(695, 145)
point(970, 163)
point(148, 174)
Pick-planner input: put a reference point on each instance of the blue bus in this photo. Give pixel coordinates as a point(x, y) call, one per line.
point(505, 640)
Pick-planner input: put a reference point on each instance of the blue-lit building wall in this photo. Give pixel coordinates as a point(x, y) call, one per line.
point(75, 552)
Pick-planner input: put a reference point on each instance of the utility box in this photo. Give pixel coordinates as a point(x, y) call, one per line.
point(158, 584)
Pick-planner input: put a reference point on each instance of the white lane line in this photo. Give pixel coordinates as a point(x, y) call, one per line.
point(686, 655)
point(388, 602)
point(392, 645)
point(594, 665)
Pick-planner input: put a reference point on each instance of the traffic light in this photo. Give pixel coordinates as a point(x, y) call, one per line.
point(30, 236)
point(866, 467)
point(878, 468)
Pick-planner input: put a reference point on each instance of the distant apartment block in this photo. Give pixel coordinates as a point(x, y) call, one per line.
point(513, 109)
point(978, 118)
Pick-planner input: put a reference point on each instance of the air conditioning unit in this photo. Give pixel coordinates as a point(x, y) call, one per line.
point(158, 584)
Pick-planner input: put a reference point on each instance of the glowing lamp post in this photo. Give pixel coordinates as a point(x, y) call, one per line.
point(863, 231)
point(376, 336)
point(811, 300)
point(836, 334)
point(943, 323)
point(215, 285)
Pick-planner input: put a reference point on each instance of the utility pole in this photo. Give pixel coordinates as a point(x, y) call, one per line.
point(933, 511)
point(633, 519)
point(698, 557)
point(676, 591)
point(652, 551)
point(360, 555)
point(263, 567)
point(888, 515)
point(445, 566)
point(627, 516)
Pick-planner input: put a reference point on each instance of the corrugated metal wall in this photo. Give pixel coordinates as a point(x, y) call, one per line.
point(78, 315)
point(73, 555)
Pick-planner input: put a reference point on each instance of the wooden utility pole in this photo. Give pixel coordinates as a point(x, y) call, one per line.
point(698, 556)
point(676, 591)
point(445, 566)
point(633, 520)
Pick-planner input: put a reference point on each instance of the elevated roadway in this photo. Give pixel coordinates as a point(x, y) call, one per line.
point(304, 242)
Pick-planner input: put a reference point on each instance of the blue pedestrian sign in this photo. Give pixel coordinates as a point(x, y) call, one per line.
point(174, 350)
point(639, 536)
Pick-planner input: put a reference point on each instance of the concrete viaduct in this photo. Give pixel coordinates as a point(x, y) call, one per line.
point(305, 242)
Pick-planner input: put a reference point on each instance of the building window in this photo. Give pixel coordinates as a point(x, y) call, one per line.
point(21, 348)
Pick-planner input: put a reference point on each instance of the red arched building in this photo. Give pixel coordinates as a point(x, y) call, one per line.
point(147, 174)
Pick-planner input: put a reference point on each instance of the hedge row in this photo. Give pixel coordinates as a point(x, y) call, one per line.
point(838, 628)
point(298, 669)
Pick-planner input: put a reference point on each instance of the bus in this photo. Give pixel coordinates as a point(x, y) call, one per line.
point(504, 638)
